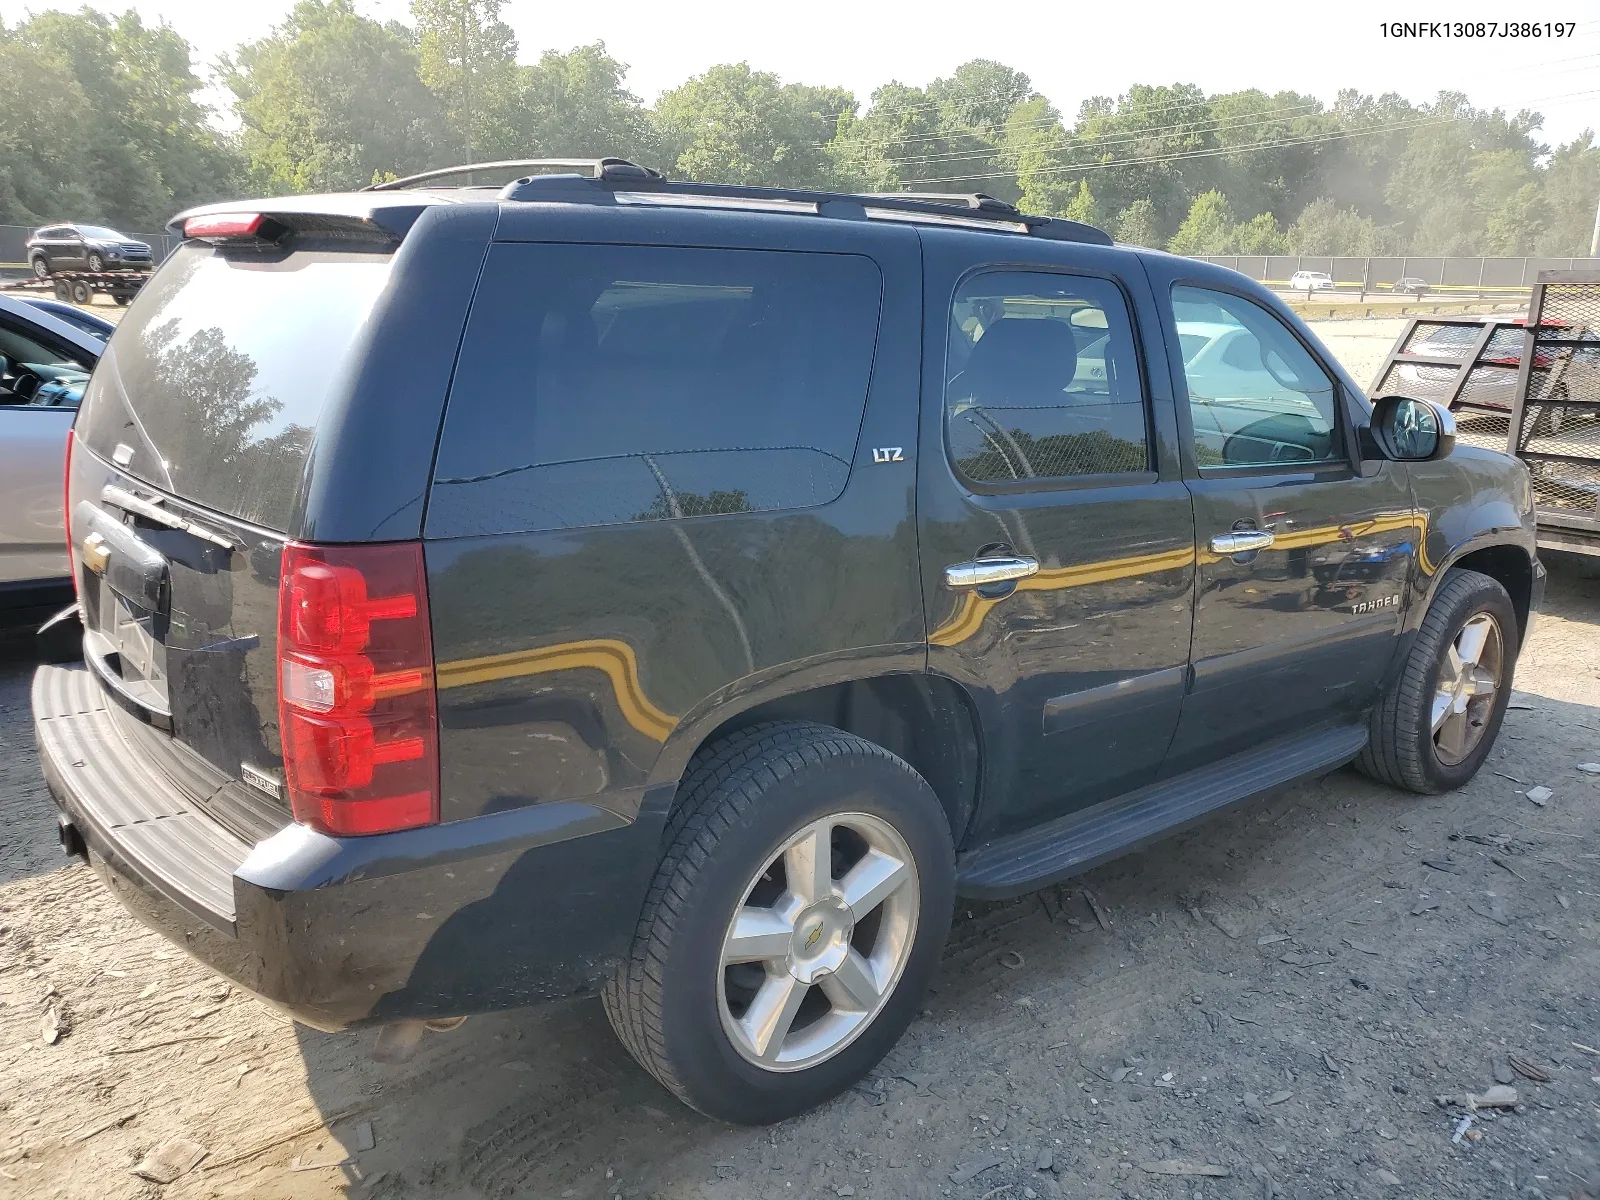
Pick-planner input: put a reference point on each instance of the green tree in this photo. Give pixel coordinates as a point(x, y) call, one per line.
point(1137, 225)
point(1325, 228)
point(1082, 206)
point(468, 58)
point(1207, 229)
point(574, 105)
point(44, 178)
point(980, 95)
point(331, 99)
point(1571, 187)
point(735, 125)
point(121, 99)
point(1259, 235)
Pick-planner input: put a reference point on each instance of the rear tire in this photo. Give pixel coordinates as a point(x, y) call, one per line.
point(1447, 671)
point(63, 290)
point(685, 999)
point(81, 293)
point(40, 265)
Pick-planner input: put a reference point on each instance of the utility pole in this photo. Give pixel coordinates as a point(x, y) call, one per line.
point(1594, 241)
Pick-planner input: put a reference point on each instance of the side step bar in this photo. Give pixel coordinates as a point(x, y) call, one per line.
point(1084, 839)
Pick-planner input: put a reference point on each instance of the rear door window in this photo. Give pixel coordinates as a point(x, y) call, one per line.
point(1042, 380)
point(608, 384)
point(219, 373)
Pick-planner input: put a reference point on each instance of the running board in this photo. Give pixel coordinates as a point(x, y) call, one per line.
point(1080, 840)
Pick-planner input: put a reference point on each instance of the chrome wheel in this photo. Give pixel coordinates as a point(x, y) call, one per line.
point(819, 942)
point(1464, 696)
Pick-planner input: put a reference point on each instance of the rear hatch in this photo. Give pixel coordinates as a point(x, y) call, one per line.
point(183, 485)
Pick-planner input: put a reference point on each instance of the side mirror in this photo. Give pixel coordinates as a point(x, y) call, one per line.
point(1408, 430)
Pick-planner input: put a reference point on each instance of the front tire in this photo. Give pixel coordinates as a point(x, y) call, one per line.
point(96, 263)
point(793, 923)
point(1438, 719)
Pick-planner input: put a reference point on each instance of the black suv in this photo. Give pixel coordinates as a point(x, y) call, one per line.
point(684, 593)
point(84, 248)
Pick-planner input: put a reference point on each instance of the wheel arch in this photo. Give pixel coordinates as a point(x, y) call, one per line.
point(926, 719)
point(1509, 564)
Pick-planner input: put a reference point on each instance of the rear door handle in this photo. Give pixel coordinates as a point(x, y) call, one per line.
point(1242, 541)
point(981, 571)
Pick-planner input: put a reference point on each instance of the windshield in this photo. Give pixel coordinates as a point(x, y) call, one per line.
point(220, 372)
point(100, 231)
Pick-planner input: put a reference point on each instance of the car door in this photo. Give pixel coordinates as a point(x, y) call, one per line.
point(1303, 551)
point(1057, 539)
point(36, 412)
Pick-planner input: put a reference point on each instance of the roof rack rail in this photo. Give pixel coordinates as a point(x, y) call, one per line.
point(596, 168)
point(977, 201)
point(970, 210)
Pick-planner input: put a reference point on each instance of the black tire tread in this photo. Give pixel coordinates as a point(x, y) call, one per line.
point(724, 779)
point(1391, 755)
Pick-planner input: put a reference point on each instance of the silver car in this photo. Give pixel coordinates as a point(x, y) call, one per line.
point(44, 365)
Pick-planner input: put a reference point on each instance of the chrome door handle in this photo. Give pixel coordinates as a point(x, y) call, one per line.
point(1242, 541)
point(981, 571)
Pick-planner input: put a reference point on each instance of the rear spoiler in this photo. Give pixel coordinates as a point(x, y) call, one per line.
point(385, 218)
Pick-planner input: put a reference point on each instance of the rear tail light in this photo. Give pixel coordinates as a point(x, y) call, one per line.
point(66, 514)
point(356, 705)
point(224, 225)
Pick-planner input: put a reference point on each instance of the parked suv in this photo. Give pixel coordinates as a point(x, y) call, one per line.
point(84, 248)
point(684, 593)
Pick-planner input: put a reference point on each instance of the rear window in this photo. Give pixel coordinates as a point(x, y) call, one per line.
point(607, 384)
point(218, 375)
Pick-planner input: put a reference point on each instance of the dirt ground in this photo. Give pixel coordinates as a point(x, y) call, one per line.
point(1274, 999)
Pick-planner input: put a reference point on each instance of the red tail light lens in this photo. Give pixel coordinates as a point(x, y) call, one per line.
point(356, 705)
point(223, 225)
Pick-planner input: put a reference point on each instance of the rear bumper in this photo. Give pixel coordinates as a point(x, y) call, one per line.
point(515, 908)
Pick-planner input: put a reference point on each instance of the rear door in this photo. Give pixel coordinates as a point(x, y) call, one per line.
point(1049, 457)
point(1304, 553)
point(656, 500)
point(195, 435)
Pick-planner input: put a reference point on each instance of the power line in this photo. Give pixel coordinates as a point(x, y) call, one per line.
point(1318, 139)
point(1208, 153)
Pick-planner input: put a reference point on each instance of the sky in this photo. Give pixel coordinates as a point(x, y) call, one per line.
point(1071, 50)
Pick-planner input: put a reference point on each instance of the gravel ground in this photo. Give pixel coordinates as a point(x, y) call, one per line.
point(1274, 999)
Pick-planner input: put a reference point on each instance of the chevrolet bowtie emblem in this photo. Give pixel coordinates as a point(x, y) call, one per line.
point(96, 553)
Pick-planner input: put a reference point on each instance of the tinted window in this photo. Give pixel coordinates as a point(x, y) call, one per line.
point(1256, 396)
point(220, 371)
point(1042, 379)
point(602, 384)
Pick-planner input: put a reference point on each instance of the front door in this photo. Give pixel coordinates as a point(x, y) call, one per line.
point(1056, 533)
point(1303, 553)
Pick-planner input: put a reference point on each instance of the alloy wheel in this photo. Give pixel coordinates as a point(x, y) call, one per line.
point(41, 268)
point(1464, 696)
point(819, 942)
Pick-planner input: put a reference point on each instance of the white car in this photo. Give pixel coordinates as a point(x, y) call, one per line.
point(1310, 281)
point(44, 365)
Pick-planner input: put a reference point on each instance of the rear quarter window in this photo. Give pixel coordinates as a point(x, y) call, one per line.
point(607, 384)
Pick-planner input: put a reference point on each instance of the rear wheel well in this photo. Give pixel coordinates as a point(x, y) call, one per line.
point(1513, 569)
point(924, 719)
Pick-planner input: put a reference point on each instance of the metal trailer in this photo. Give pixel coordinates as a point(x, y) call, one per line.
point(1555, 425)
point(80, 287)
point(1527, 386)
